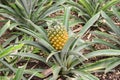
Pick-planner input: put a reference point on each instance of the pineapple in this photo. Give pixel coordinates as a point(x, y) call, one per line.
point(57, 36)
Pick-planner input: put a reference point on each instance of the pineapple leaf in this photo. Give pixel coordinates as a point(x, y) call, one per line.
point(110, 23)
point(105, 35)
point(4, 78)
point(84, 75)
point(7, 8)
point(55, 7)
point(7, 42)
point(4, 28)
point(56, 70)
point(112, 65)
point(34, 72)
point(87, 5)
point(66, 17)
point(100, 64)
point(9, 49)
point(109, 4)
point(100, 41)
point(116, 12)
point(7, 65)
point(19, 73)
point(39, 29)
point(30, 55)
point(107, 52)
point(38, 45)
point(50, 55)
point(88, 24)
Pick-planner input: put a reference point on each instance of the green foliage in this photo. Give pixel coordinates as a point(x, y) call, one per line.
point(4, 78)
point(19, 73)
point(115, 31)
point(9, 49)
point(4, 54)
point(65, 62)
point(113, 37)
point(88, 8)
point(4, 28)
point(33, 10)
point(29, 17)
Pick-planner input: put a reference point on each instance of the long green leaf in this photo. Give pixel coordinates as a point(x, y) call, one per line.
point(26, 5)
point(55, 7)
point(108, 36)
point(35, 72)
point(4, 28)
point(84, 75)
point(68, 44)
point(38, 45)
point(16, 9)
point(9, 49)
point(116, 12)
point(109, 4)
point(78, 54)
point(82, 46)
point(112, 65)
point(50, 55)
point(98, 65)
point(19, 73)
point(107, 52)
point(110, 23)
point(66, 17)
point(7, 65)
point(6, 15)
point(9, 40)
point(67, 47)
point(56, 70)
point(30, 32)
point(13, 25)
point(7, 8)
point(76, 5)
point(30, 55)
point(4, 78)
point(38, 28)
point(88, 24)
point(41, 40)
point(40, 6)
point(100, 41)
point(88, 6)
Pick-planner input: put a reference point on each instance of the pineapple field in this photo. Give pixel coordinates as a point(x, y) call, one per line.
point(59, 39)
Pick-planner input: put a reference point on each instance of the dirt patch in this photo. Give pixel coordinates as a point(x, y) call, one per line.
point(114, 75)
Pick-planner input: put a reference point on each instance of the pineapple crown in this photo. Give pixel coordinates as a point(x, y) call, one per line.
point(54, 24)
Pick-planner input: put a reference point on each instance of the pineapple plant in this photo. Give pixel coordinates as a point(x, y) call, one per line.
point(65, 58)
point(64, 51)
point(88, 8)
point(58, 36)
point(19, 11)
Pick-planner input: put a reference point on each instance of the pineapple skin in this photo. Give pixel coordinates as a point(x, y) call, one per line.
point(57, 36)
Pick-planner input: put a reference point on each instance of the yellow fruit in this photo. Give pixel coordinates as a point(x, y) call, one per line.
point(57, 36)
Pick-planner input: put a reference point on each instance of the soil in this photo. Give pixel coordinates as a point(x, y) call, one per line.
point(114, 75)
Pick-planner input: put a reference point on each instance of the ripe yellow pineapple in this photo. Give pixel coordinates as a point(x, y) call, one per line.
point(57, 36)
